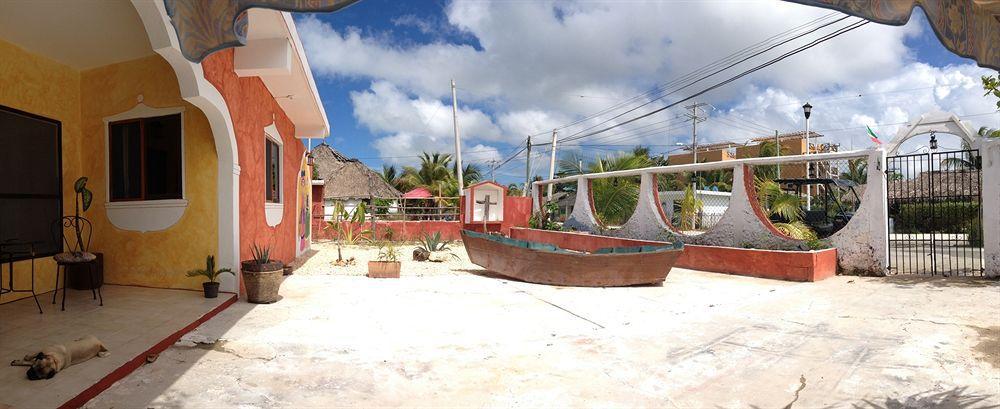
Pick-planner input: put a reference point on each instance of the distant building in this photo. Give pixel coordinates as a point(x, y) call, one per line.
point(716, 152)
point(793, 143)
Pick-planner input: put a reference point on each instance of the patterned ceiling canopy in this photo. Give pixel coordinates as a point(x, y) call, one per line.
point(969, 28)
point(207, 26)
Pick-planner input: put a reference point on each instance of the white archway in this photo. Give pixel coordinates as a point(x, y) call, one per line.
point(202, 94)
point(935, 121)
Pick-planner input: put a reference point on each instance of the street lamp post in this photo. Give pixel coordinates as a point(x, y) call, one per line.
point(807, 110)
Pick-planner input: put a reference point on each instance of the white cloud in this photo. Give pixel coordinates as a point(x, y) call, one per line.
point(545, 63)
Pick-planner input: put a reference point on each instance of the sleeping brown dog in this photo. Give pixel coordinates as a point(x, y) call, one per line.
point(54, 358)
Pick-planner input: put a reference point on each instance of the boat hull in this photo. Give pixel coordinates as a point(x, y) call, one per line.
point(570, 268)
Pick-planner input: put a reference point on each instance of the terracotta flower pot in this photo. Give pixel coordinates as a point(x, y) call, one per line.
point(383, 269)
point(211, 289)
point(262, 281)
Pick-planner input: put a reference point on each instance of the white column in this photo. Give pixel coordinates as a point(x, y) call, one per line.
point(990, 151)
point(583, 217)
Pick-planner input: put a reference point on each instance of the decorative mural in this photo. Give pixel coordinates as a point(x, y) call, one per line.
point(303, 208)
point(968, 28)
point(200, 36)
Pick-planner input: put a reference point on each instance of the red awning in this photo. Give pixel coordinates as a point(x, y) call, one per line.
point(418, 193)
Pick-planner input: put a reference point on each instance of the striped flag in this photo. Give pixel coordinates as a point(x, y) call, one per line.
point(873, 136)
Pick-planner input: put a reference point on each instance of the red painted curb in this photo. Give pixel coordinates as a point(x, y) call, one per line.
point(130, 366)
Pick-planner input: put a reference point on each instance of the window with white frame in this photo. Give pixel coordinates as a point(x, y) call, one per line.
point(272, 172)
point(145, 159)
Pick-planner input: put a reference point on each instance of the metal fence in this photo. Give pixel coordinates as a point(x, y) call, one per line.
point(430, 209)
point(827, 194)
point(935, 217)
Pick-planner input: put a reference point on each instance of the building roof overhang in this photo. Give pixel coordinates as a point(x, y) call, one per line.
point(275, 54)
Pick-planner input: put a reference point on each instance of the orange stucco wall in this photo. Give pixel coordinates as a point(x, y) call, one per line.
point(252, 108)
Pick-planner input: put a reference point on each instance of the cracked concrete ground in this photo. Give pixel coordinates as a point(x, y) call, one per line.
point(461, 338)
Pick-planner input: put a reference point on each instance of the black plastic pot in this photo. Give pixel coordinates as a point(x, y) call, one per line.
point(211, 289)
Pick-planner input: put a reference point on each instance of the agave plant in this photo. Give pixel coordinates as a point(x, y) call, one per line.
point(433, 242)
point(260, 254)
point(210, 272)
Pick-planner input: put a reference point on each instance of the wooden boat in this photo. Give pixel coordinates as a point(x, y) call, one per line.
point(541, 261)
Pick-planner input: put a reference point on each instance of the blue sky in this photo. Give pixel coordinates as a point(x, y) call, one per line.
point(382, 69)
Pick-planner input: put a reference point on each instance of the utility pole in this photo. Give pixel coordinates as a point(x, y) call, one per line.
point(527, 168)
point(493, 166)
point(777, 144)
point(552, 163)
point(695, 118)
point(458, 141)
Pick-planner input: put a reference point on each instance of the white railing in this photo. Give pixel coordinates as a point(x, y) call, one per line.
point(700, 167)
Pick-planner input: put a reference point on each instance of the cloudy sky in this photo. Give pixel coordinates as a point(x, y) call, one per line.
point(384, 68)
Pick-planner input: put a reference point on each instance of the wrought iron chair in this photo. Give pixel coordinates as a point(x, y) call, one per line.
point(75, 232)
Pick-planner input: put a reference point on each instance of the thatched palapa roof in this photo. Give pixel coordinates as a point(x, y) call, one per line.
point(939, 184)
point(347, 178)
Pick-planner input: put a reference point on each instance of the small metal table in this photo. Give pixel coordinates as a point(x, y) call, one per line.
point(11, 250)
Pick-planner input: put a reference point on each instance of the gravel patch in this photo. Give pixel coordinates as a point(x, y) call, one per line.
point(320, 261)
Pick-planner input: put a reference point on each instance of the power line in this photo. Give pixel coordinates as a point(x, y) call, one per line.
point(663, 93)
point(807, 46)
point(663, 86)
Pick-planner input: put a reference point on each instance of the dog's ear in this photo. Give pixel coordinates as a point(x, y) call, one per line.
point(40, 356)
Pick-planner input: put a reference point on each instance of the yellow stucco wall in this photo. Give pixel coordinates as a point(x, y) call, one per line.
point(81, 101)
point(43, 87)
point(155, 259)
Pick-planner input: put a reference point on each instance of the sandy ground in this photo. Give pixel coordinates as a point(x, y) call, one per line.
point(321, 261)
point(450, 335)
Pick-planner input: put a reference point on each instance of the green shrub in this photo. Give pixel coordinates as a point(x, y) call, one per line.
point(944, 217)
point(818, 244)
point(975, 232)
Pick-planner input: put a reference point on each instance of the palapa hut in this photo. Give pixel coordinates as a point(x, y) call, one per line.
point(347, 180)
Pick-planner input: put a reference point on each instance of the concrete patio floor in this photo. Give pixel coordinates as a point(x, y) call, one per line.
point(462, 338)
point(132, 321)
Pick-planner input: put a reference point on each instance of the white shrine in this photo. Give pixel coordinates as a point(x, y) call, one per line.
point(483, 203)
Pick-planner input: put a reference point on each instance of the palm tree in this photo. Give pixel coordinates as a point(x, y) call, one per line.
point(784, 209)
point(472, 173)
point(390, 176)
point(515, 189)
point(615, 198)
point(968, 160)
point(857, 171)
point(570, 166)
point(434, 174)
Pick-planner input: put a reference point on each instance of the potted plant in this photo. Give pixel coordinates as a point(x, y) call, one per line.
point(209, 272)
point(262, 275)
point(79, 274)
point(387, 264)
